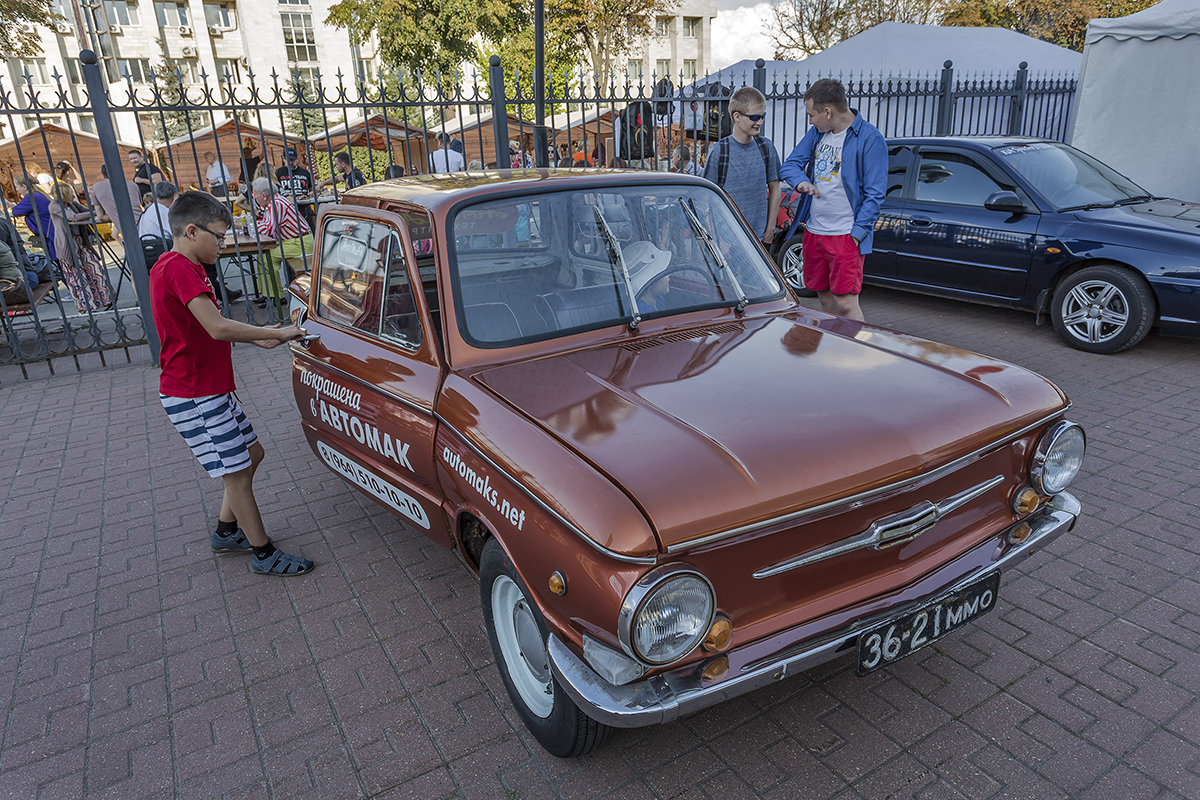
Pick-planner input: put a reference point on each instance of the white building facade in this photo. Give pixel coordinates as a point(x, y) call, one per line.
point(226, 40)
point(680, 46)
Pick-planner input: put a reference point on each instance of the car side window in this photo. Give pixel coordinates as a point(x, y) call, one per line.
point(353, 267)
point(899, 159)
point(953, 178)
point(401, 317)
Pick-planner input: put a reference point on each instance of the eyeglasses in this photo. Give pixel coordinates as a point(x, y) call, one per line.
point(220, 237)
point(754, 117)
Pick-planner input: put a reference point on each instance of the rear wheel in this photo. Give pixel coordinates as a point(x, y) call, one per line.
point(1102, 309)
point(518, 636)
point(790, 258)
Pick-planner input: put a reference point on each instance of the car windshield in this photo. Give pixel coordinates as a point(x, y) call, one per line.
point(1067, 177)
point(539, 265)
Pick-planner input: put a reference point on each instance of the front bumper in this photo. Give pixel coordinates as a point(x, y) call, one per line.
point(672, 694)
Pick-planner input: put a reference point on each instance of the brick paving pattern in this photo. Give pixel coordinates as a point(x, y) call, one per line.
point(136, 664)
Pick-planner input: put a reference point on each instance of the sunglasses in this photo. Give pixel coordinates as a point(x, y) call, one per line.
point(754, 117)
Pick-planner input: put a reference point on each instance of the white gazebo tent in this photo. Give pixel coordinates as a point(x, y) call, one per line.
point(1138, 107)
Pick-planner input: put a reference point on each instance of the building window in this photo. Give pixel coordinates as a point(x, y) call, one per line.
point(298, 38)
point(74, 70)
point(87, 123)
point(229, 69)
point(293, 2)
point(691, 27)
point(365, 70)
point(170, 15)
point(62, 8)
point(663, 26)
point(137, 70)
point(662, 68)
point(35, 67)
point(219, 15)
point(304, 79)
point(633, 70)
point(689, 69)
point(120, 12)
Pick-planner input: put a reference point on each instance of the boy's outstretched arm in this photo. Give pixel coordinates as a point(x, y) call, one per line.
point(229, 330)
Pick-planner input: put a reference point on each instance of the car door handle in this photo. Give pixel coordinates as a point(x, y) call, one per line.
point(307, 338)
point(922, 221)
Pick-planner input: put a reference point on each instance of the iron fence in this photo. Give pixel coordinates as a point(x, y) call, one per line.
point(218, 136)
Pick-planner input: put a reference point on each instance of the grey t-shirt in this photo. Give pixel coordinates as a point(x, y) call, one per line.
point(746, 181)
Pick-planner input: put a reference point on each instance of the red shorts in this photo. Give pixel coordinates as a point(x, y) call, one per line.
point(832, 264)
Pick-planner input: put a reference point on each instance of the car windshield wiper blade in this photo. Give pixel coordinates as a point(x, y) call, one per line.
point(1141, 198)
point(722, 264)
point(615, 258)
point(1090, 206)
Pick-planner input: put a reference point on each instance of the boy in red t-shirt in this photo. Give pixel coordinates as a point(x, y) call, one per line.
point(196, 386)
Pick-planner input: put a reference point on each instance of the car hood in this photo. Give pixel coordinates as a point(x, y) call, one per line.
point(1167, 215)
point(712, 428)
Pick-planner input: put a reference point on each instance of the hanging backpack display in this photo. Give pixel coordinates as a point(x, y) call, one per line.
point(637, 131)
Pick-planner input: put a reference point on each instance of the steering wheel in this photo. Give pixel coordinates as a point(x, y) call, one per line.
point(698, 277)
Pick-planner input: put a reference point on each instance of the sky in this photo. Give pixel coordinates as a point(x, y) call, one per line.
point(739, 32)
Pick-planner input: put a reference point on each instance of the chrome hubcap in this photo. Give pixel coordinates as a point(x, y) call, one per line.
point(521, 646)
point(1095, 311)
point(793, 267)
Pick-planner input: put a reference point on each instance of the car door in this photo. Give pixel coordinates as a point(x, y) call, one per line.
point(889, 228)
point(366, 387)
point(950, 240)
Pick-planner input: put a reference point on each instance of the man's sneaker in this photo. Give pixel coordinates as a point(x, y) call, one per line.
point(282, 564)
point(235, 542)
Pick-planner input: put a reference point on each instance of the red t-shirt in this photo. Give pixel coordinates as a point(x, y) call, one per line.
point(193, 363)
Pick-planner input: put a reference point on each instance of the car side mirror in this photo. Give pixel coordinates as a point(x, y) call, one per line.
point(1004, 200)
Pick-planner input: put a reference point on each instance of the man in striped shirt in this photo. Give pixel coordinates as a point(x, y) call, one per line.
point(279, 218)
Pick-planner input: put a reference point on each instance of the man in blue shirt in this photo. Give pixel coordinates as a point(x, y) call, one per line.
point(841, 163)
point(35, 208)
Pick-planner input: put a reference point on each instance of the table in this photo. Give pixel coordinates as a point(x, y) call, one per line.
point(255, 256)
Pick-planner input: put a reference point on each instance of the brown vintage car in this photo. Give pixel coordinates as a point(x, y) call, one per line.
point(676, 484)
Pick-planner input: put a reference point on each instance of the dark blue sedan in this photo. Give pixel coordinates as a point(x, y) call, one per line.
point(1038, 225)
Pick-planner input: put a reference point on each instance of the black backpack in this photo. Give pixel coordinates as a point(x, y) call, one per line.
point(637, 131)
point(664, 93)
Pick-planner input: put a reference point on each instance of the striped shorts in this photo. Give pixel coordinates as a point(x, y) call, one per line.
point(215, 428)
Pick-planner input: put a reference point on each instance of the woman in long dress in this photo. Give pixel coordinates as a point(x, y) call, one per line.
point(82, 269)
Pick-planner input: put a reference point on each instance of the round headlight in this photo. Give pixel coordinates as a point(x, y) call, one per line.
point(666, 615)
point(1057, 458)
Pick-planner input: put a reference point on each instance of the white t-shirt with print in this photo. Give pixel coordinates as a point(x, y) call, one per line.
point(831, 212)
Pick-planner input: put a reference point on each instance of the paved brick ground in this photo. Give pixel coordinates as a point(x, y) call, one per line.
point(134, 663)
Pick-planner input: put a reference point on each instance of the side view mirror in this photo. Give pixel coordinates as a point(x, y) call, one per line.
point(1004, 201)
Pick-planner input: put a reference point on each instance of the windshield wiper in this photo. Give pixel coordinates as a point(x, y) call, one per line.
point(615, 258)
point(1141, 198)
point(706, 237)
point(1089, 206)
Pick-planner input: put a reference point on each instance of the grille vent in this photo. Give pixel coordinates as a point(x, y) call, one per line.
point(682, 336)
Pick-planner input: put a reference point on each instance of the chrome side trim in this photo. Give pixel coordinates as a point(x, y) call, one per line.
point(668, 695)
point(888, 531)
point(857, 499)
point(545, 507)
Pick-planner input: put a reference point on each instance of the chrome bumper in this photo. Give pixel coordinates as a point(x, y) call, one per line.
point(668, 695)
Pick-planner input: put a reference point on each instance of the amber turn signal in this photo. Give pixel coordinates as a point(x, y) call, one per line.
point(720, 634)
point(558, 583)
point(1020, 533)
point(1026, 501)
point(715, 670)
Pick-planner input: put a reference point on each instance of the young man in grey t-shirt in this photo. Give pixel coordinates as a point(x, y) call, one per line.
point(746, 165)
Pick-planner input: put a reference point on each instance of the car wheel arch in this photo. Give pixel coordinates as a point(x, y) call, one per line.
point(1103, 307)
point(1046, 296)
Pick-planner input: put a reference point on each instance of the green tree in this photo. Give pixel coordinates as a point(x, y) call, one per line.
point(801, 28)
point(606, 29)
point(1062, 22)
point(177, 116)
point(518, 59)
point(428, 35)
point(18, 43)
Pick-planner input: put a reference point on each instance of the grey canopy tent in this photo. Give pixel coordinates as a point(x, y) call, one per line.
point(1138, 107)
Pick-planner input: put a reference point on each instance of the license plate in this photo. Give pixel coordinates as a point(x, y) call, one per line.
point(891, 641)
